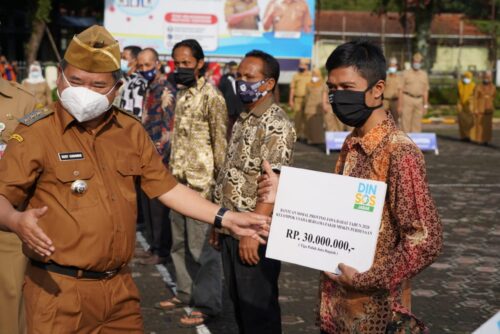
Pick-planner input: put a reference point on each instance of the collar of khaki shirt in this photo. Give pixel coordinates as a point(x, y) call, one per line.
point(370, 141)
point(260, 108)
point(7, 89)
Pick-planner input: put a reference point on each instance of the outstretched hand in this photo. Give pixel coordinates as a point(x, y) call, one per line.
point(247, 224)
point(268, 184)
point(31, 234)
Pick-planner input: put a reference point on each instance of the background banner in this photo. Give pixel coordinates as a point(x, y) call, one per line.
point(226, 28)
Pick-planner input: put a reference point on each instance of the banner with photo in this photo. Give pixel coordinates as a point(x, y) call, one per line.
point(226, 28)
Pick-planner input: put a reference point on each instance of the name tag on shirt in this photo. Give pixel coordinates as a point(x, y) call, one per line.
point(64, 156)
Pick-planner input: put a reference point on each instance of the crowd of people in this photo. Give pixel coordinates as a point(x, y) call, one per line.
point(129, 144)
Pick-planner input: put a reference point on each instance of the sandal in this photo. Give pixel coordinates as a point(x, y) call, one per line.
point(193, 319)
point(169, 304)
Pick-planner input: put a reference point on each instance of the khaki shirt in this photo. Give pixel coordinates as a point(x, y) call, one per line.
point(299, 83)
point(41, 91)
point(199, 139)
point(414, 82)
point(15, 102)
point(239, 6)
point(264, 133)
point(94, 230)
point(392, 86)
point(293, 16)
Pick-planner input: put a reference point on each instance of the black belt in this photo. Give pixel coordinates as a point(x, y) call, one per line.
point(74, 271)
point(415, 96)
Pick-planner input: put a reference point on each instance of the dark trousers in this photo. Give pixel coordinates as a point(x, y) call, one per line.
point(253, 289)
point(156, 217)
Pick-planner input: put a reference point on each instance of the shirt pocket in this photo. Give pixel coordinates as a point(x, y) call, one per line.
point(129, 169)
point(69, 172)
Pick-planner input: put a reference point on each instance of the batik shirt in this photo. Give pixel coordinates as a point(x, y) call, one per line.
point(157, 120)
point(133, 94)
point(264, 133)
point(199, 141)
point(410, 237)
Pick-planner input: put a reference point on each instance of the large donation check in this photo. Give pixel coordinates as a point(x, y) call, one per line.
point(323, 219)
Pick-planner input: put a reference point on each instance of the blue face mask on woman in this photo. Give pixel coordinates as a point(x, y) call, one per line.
point(148, 75)
point(249, 91)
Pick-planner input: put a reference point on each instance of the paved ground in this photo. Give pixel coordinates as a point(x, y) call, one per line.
point(455, 295)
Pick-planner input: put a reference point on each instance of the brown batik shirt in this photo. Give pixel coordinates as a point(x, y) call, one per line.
point(410, 237)
point(264, 133)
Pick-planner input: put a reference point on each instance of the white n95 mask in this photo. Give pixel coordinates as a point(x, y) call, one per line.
point(84, 104)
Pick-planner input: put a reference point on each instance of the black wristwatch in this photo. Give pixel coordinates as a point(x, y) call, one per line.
point(218, 217)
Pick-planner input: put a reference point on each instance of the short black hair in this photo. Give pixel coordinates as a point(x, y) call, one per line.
point(134, 50)
point(271, 66)
point(196, 51)
point(232, 63)
point(364, 56)
point(195, 47)
point(153, 51)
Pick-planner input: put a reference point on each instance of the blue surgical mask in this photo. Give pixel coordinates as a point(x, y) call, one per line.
point(124, 66)
point(249, 91)
point(392, 69)
point(149, 75)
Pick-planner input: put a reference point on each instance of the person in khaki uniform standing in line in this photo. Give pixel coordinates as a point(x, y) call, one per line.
point(392, 87)
point(297, 95)
point(15, 102)
point(413, 96)
point(484, 98)
point(76, 164)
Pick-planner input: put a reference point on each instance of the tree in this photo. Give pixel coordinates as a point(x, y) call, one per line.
point(40, 20)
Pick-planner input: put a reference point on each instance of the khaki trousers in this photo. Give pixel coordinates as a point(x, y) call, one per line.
point(299, 116)
point(411, 115)
point(59, 304)
point(481, 132)
point(13, 264)
point(465, 120)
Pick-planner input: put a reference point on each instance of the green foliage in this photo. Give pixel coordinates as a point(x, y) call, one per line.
point(43, 10)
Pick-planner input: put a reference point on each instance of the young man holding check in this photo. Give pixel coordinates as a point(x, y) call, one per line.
point(410, 238)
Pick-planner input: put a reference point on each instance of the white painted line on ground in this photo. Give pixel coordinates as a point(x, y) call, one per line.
point(465, 185)
point(167, 278)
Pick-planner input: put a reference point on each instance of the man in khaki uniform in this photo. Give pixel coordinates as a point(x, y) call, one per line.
point(15, 102)
point(297, 96)
point(287, 15)
point(413, 96)
point(76, 164)
point(392, 87)
point(242, 14)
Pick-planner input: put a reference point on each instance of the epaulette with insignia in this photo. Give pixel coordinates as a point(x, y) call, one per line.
point(128, 113)
point(35, 116)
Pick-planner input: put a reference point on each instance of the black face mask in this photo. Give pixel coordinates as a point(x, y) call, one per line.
point(349, 106)
point(302, 70)
point(185, 76)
